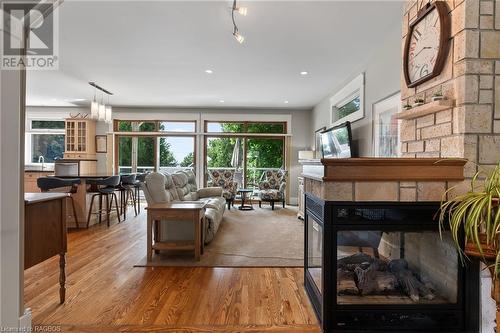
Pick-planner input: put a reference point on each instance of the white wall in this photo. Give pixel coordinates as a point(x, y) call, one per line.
point(382, 78)
point(299, 119)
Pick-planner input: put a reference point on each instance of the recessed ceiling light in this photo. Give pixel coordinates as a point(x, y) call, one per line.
point(304, 73)
point(209, 71)
point(221, 101)
point(286, 102)
point(78, 99)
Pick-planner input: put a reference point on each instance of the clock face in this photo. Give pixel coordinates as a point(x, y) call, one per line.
point(424, 46)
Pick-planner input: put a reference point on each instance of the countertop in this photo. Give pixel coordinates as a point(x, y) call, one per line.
point(31, 198)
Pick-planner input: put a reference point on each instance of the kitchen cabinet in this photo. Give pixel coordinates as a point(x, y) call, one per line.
point(79, 140)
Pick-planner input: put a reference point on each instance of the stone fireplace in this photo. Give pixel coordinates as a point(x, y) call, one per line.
point(375, 259)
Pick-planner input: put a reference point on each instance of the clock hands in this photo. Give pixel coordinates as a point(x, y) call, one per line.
point(424, 48)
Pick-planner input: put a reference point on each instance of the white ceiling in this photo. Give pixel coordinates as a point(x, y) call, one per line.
point(155, 54)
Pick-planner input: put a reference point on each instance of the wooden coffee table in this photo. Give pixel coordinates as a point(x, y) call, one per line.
point(187, 212)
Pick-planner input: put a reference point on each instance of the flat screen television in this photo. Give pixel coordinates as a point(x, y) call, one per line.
point(336, 141)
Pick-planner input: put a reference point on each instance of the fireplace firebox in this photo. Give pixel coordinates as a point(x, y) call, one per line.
point(384, 266)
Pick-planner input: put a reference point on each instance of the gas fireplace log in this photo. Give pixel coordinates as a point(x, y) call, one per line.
point(355, 260)
point(345, 283)
point(374, 281)
point(410, 284)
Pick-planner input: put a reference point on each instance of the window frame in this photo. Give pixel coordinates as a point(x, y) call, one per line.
point(352, 90)
point(156, 135)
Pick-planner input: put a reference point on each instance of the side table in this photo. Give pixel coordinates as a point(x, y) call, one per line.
point(188, 212)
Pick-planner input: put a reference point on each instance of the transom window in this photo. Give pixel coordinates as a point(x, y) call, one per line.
point(245, 127)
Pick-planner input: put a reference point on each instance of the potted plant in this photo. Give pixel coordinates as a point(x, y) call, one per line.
point(407, 106)
point(418, 102)
point(476, 214)
point(437, 96)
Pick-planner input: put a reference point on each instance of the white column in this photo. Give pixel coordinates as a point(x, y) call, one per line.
point(11, 198)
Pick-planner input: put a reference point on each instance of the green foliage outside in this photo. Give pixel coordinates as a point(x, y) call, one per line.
point(348, 108)
point(47, 124)
point(49, 146)
point(261, 152)
point(187, 161)
point(167, 158)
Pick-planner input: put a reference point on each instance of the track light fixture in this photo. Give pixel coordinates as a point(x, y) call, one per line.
point(242, 11)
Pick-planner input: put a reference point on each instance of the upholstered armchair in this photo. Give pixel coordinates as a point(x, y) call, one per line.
point(272, 187)
point(224, 178)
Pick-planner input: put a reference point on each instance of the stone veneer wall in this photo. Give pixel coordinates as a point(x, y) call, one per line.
point(376, 190)
point(471, 77)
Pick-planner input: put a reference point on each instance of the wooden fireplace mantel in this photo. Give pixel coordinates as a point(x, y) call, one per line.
point(385, 169)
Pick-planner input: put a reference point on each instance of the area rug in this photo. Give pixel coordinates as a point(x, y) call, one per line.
point(256, 238)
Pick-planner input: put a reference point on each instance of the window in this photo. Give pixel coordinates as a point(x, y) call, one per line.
point(44, 137)
point(47, 124)
point(246, 127)
point(347, 104)
point(167, 146)
point(49, 146)
point(177, 153)
point(178, 126)
point(349, 107)
point(257, 147)
point(216, 127)
point(135, 126)
point(136, 154)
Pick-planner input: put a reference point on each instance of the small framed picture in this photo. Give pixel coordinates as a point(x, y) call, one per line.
point(317, 142)
point(385, 126)
point(101, 144)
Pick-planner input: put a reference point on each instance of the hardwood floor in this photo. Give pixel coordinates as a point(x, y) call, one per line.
point(106, 293)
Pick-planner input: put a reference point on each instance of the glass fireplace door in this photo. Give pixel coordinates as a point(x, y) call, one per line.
point(315, 251)
point(396, 267)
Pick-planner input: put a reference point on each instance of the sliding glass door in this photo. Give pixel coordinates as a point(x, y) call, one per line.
point(136, 154)
point(248, 156)
point(225, 153)
point(262, 154)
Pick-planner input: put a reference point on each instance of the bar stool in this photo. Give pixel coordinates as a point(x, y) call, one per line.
point(46, 184)
point(126, 189)
point(139, 178)
point(104, 188)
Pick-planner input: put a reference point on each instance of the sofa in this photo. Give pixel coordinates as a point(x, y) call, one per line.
point(181, 186)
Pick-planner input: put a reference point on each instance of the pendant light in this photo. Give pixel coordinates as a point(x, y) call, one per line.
point(94, 107)
point(108, 117)
point(102, 109)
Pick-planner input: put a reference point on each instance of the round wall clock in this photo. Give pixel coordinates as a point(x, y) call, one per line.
point(427, 42)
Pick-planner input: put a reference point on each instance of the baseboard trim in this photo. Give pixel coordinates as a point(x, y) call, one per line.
point(25, 321)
